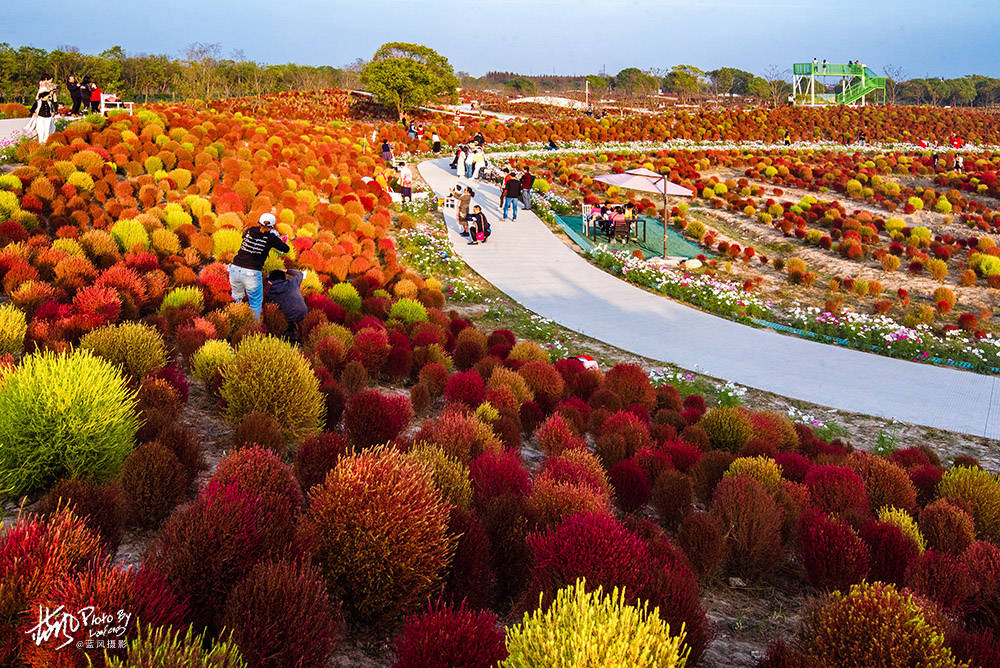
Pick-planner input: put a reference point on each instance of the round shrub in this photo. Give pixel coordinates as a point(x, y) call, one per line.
point(632, 385)
point(940, 577)
point(727, 428)
point(708, 471)
point(187, 296)
point(465, 387)
point(906, 524)
point(833, 555)
point(152, 482)
point(168, 647)
point(13, 327)
point(258, 428)
point(373, 417)
point(346, 295)
point(498, 474)
point(445, 636)
point(577, 466)
point(271, 376)
point(555, 435)
point(672, 496)
point(376, 503)
point(876, 625)
point(982, 559)
point(890, 552)
point(837, 489)
point(594, 629)
point(281, 615)
point(946, 527)
point(620, 437)
point(138, 349)
point(63, 416)
point(552, 500)
point(408, 310)
point(258, 471)
point(751, 521)
point(764, 470)
point(100, 506)
point(981, 490)
point(700, 536)
point(35, 554)
point(544, 381)
point(208, 546)
point(631, 484)
point(886, 482)
point(774, 429)
point(209, 358)
point(316, 456)
point(450, 475)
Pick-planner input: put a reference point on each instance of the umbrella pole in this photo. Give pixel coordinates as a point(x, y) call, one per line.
point(664, 219)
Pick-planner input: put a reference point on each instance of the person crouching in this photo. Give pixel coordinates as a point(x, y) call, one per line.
point(479, 227)
point(285, 290)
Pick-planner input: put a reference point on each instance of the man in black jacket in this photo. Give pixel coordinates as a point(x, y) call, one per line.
point(245, 271)
point(511, 195)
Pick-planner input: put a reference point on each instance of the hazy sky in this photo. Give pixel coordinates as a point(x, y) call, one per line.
point(925, 37)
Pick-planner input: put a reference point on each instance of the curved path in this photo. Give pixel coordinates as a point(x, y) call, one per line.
point(527, 262)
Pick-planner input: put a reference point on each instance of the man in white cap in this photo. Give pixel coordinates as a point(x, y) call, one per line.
point(245, 271)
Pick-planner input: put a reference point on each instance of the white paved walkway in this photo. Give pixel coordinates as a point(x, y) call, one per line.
point(527, 262)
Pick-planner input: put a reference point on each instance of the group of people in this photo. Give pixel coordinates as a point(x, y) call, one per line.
point(470, 161)
point(246, 277)
point(609, 216)
point(475, 226)
point(86, 95)
point(516, 188)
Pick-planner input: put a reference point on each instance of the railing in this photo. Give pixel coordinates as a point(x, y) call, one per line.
point(831, 69)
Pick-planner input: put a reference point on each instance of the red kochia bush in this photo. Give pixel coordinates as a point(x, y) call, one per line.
point(982, 559)
point(257, 428)
point(890, 552)
point(152, 482)
point(794, 466)
point(605, 553)
point(259, 471)
point(980, 649)
point(885, 482)
point(444, 636)
point(837, 489)
point(379, 531)
point(498, 474)
point(946, 527)
point(373, 417)
point(621, 435)
point(632, 384)
point(751, 522)
point(556, 435)
point(281, 615)
point(682, 454)
point(942, 578)
point(544, 381)
point(107, 588)
point(926, 478)
point(209, 545)
point(100, 505)
point(470, 578)
point(833, 555)
point(631, 483)
point(700, 536)
point(465, 387)
point(672, 496)
point(317, 456)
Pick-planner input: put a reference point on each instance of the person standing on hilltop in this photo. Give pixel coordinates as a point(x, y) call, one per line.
point(245, 275)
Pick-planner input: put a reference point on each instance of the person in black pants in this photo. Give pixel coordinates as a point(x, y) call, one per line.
point(478, 225)
point(73, 86)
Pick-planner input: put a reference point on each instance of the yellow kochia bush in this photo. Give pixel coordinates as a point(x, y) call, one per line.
point(137, 349)
point(271, 376)
point(593, 630)
point(12, 330)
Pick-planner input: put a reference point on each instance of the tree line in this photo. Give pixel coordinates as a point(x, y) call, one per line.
point(202, 72)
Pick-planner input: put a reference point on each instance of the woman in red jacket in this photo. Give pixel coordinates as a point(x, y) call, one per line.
point(95, 97)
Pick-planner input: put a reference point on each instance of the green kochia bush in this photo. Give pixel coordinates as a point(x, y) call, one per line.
point(408, 310)
point(346, 295)
point(137, 349)
point(63, 416)
point(182, 297)
point(12, 330)
point(271, 376)
point(165, 647)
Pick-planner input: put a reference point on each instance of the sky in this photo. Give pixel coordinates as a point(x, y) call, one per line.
point(924, 37)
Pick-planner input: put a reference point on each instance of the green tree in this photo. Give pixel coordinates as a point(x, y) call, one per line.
point(684, 80)
point(404, 76)
point(633, 81)
point(759, 88)
point(522, 85)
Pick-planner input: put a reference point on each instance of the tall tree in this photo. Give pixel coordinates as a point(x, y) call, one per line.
point(404, 76)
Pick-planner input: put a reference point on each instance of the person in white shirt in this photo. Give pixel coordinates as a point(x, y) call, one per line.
point(406, 181)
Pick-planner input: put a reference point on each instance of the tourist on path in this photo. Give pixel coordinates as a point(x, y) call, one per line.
point(75, 94)
point(464, 198)
point(479, 227)
point(527, 182)
point(512, 193)
point(245, 271)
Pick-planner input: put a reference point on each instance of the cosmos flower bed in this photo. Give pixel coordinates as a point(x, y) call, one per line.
point(402, 475)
